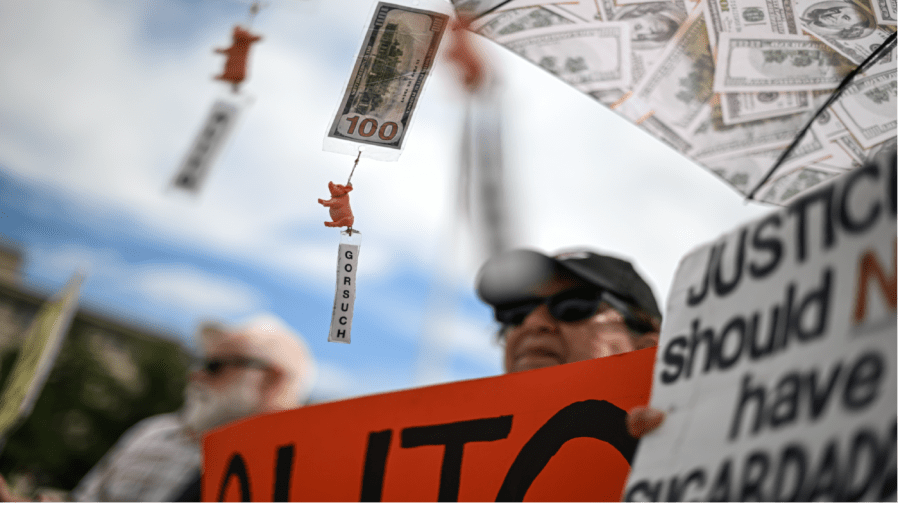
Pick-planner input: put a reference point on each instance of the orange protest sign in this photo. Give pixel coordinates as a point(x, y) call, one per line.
point(555, 434)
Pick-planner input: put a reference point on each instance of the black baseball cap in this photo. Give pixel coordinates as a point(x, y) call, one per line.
point(513, 276)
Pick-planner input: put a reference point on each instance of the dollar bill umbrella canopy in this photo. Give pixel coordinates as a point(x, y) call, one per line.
point(747, 91)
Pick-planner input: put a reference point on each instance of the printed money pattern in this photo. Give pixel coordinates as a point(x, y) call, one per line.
point(503, 23)
point(728, 83)
point(587, 56)
point(745, 107)
point(847, 26)
point(395, 59)
point(869, 109)
point(679, 85)
point(885, 11)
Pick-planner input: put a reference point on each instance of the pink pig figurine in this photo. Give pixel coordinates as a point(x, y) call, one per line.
point(341, 213)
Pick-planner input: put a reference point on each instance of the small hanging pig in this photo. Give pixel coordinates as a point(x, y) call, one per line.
point(235, 66)
point(341, 213)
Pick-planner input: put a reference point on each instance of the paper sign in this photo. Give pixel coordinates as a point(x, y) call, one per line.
point(776, 364)
point(40, 346)
point(208, 145)
point(555, 434)
point(344, 298)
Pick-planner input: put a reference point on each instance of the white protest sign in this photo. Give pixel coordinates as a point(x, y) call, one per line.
point(776, 365)
point(344, 298)
point(208, 144)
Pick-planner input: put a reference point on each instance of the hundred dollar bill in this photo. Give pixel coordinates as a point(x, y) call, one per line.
point(852, 148)
point(838, 159)
point(749, 16)
point(713, 138)
point(828, 126)
point(782, 190)
point(587, 56)
point(607, 97)
point(820, 96)
point(868, 107)
point(810, 148)
point(858, 155)
point(584, 11)
point(635, 110)
point(885, 11)
point(478, 8)
point(844, 25)
point(758, 62)
point(652, 25)
point(655, 21)
point(661, 131)
point(517, 20)
point(393, 63)
point(822, 166)
point(887, 59)
point(745, 107)
point(678, 87)
point(745, 169)
point(633, 2)
point(760, 144)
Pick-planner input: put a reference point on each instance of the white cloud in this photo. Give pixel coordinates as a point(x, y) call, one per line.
point(169, 287)
point(185, 286)
point(97, 110)
point(118, 115)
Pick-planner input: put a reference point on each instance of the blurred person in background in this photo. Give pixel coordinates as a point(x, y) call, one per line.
point(570, 307)
point(258, 367)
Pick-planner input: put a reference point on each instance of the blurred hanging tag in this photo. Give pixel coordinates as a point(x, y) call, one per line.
point(397, 53)
point(209, 142)
point(344, 298)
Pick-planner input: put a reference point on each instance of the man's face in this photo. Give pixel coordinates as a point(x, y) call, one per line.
point(541, 340)
point(231, 392)
point(839, 17)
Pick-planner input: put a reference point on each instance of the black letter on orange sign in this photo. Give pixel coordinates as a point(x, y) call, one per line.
point(375, 463)
point(591, 418)
point(454, 436)
point(283, 470)
point(237, 468)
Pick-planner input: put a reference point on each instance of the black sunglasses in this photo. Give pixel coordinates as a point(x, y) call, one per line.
point(570, 306)
point(214, 366)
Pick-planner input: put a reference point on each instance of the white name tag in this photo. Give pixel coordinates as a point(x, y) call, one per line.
point(344, 299)
point(207, 145)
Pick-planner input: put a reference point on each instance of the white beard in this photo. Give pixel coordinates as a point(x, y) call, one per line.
point(206, 408)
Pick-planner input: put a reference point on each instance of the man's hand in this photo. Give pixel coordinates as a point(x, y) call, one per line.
point(642, 420)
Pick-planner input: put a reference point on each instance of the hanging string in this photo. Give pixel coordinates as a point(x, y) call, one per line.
point(349, 181)
point(880, 51)
point(254, 11)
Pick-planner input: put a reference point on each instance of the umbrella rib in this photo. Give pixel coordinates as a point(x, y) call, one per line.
point(873, 58)
point(491, 9)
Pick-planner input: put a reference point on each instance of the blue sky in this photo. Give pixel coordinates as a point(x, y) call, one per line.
point(138, 278)
point(99, 99)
